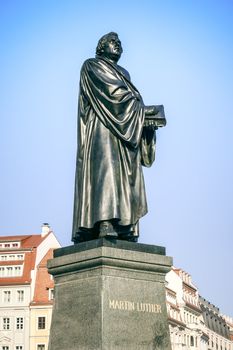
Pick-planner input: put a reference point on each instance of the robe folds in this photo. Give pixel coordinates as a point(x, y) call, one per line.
point(112, 147)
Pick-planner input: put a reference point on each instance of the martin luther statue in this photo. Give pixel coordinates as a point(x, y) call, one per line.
point(116, 136)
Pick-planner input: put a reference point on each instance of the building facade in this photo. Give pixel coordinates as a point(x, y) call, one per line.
point(194, 322)
point(41, 306)
point(21, 258)
point(229, 321)
point(27, 293)
point(185, 317)
point(217, 327)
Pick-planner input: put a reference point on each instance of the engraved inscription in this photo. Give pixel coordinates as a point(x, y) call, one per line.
point(126, 305)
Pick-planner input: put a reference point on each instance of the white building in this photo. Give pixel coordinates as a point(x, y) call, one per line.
point(186, 322)
point(229, 321)
point(19, 258)
point(217, 327)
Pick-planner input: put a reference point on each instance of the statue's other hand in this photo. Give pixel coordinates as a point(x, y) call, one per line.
point(150, 124)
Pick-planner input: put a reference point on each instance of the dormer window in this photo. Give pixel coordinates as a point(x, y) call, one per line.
point(10, 245)
point(11, 271)
point(11, 257)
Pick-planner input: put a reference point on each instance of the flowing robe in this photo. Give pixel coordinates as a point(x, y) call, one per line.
point(112, 146)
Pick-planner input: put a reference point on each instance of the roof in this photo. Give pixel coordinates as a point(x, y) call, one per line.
point(43, 282)
point(28, 245)
point(187, 281)
point(28, 263)
point(27, 241)
point(12, 238)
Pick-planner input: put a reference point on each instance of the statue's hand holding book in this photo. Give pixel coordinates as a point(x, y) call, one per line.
point(155, 117)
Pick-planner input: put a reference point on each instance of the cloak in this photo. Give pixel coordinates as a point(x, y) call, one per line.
point(112, 147)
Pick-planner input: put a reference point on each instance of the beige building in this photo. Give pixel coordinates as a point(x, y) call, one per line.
point(41, 306)
point(40, 321)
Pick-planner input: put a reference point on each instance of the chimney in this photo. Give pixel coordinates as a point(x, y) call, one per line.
point(45, 229)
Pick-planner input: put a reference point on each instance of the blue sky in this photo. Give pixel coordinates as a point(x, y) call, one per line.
point(180, 54)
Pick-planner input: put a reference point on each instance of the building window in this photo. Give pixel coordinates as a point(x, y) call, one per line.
point(6, 296)
point(19, 347)
point(9, 271)
point(18, 270)
point(41, 322)
point(10, 257)
point(51, 294)
point(191, 341)
point(5, 323)
point(6, 347)
point(20, 296)
point(10, 245)
point(40, 347)
point(19, 257)
point(19, 322)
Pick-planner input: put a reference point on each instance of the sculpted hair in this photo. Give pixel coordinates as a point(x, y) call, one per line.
point(103, 40)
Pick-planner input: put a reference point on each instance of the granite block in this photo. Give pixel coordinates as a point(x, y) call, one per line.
point(109, 298)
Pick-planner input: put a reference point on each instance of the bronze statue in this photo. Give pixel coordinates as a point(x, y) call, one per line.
point(116, 136)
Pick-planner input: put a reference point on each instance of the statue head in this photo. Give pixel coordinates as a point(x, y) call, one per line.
point(109, 46)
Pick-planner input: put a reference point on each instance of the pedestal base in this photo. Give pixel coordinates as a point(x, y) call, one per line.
point(109, 295)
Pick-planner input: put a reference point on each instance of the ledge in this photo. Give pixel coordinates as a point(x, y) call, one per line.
point(110, 242)
point(108, 253)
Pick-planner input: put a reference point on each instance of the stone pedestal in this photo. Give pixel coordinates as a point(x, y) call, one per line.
point(109, 295)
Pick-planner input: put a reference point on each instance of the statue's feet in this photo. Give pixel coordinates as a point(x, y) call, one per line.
point(84, 235)
point(130, 237)
point(106, 229)
point(127, 233)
